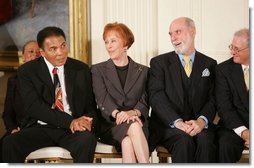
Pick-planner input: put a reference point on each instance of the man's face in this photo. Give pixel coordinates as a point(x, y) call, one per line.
point(182, 37)
point(240, 50)
point(55, 50)
point(31, 51)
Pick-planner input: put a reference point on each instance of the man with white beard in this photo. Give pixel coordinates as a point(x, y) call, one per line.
point(180, 89)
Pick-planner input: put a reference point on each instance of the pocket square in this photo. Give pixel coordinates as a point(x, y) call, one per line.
point(205, 72)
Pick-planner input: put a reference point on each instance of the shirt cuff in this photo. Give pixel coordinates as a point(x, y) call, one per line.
point(206, 121)
point(172, 125)
point(239, 130)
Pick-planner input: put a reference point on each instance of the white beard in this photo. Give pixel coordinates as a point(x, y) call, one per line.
point(184, 46)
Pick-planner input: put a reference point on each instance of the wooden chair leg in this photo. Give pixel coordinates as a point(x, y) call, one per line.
point(97, 160)
point(163, 159)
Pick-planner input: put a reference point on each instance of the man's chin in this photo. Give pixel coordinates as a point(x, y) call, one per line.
point(179, 51)
point(237, 60)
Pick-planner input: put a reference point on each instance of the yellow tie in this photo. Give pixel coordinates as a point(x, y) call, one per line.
point(187, 66)
point(246, 77)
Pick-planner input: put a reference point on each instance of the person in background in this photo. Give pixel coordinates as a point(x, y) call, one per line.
point(30, 51)
point(232, 98)
point(58, 101)
point(181, 86)
point(119, 85)
point(14, 112)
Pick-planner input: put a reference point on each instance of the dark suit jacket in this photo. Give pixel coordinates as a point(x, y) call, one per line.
point(110, 95)
point(232, 98)
point(13, 107)
point(166, 95)
point(37, 91)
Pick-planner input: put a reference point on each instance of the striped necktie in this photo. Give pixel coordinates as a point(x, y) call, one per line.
point(187, 66)
point(58, 91)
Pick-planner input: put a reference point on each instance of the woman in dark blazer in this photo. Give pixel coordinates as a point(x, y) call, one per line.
point(119, 85)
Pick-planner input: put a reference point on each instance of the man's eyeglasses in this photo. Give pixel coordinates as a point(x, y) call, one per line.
point(233, 48)
point(33, 51)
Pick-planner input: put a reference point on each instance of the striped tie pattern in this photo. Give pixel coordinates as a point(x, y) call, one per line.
point(58, 91)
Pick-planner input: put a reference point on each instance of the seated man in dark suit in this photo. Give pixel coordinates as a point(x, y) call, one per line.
point(13, 107)
point(58, 100)
point(181, 85)
point(232, 97)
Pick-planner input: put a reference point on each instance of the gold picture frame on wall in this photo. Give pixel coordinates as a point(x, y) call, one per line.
point(79, 32)
point(76, 35)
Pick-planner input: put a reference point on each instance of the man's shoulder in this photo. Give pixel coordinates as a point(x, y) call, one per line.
point(164, 56)
point(100, 64)
point(226, 63)
point(75, 64)
point(31, 65)
point(206, 57)
point(226, 66)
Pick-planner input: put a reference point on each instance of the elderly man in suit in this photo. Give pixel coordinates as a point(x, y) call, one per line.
point(181, 88)
point(60, 105)
point(232, 98)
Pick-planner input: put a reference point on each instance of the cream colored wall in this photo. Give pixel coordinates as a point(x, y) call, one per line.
point(139, 15)
point(216, 22)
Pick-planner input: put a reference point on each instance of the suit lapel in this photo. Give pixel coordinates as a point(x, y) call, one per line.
point(238, 79)
point(112, 76)
point(134, 71)
point(69, 76)
point(198, 68)
point(44, 74)
point(175, 71)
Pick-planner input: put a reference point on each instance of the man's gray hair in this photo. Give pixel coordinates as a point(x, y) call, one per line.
point(189, 22)
point(243, 32)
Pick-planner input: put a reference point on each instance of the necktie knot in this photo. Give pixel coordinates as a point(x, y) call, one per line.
point(246, 69)
point(55, 70)
point(186, 59)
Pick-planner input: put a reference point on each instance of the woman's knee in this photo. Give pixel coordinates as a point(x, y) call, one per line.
point(126, 142)
point(134, 129)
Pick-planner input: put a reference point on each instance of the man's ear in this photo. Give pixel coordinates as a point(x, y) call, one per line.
point(42, 52)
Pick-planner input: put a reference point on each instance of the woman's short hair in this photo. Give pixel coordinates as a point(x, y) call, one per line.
point(122, 30)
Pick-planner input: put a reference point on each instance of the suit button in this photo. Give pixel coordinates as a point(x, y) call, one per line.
point(102, 108)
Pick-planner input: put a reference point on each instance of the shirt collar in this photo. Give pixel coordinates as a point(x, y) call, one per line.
point(51, 67)
point(244, 66)
point(192, 57)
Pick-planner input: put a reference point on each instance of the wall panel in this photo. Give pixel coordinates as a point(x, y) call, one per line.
point(216, 22)
point(139, 15)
